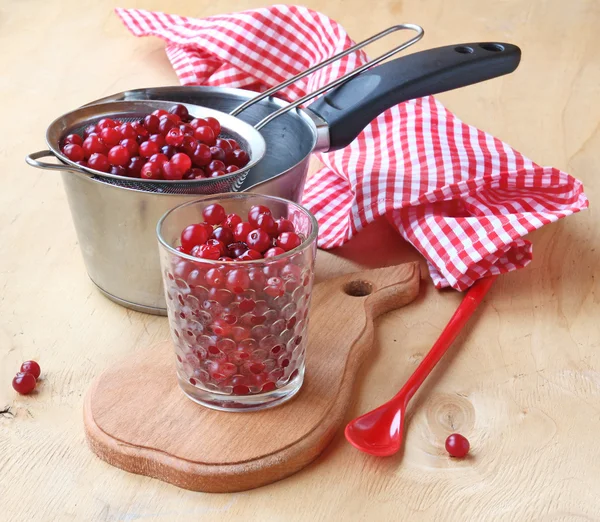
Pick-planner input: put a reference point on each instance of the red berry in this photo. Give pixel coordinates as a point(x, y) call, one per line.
point(173, 117)
point(207, 252)
point(159, 158)
point(267, 223)
point(186, 129)
point(241, 231)
point(250, 255)
point(241, 158)
point(110, 136)
point(198, 122)
point(217, 173)
point(214, 124)
point(151, 170)
point(231, 221)
point(169, 151)
point(284, 225)
point(159, 113)
point(205, 134)
point(174, 137)
point(90, 129)
point(105, 123)
point(118, 170)
point(134, 168)
point(180, 110)
point(258, 240)
point(238, 281)
point(74, 152)
point(73, 139)
point(234, 144)
point(119, 155)
point(93, 145)
point(182, 161)
point(172, 171)
point(237, 249)
point(288, 241)
point(218, 244)
point(223, 234)
point(256, 211)
point(217, 154)
point(223, 144)
point(193, 235)
point(131, 145)
point(275, 251)
point(148, 148)
point(189, 145)
point(31, 367)
point(151, 122)
point(201, 155)
point(99, 162)
point(457, 445)
point(215, 277)
point(231, 169)
point(214, 214)
point(215, 166)
point(165, 125)
point(142, 132)
point(24, 383)
point(127, 131)
point(198, 173)
point(159, 139)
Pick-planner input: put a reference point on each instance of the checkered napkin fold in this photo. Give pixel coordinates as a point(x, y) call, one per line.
point(461, 197)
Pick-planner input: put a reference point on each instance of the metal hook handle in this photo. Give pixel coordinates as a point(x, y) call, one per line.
point(419, 30)
point(32, 159)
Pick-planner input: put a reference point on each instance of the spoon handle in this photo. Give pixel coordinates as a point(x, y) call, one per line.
point(465, 310)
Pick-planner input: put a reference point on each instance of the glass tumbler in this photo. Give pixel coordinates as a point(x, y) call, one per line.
point(239, 328)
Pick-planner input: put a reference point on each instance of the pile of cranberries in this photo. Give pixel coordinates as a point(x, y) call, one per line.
point(239, 328)
point(26, 379)
point(162, 146)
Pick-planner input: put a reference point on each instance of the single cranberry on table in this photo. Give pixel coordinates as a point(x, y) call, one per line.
point(24, 383)
point(457, 446)
point(31, 367)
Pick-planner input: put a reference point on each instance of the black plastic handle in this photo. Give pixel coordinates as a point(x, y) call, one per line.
point(349, 108)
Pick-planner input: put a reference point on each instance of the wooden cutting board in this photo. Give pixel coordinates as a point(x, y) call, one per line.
point(137, 418)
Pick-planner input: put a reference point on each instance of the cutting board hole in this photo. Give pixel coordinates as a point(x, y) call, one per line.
point(358, 288)
point(463, 49)
point(494, 47)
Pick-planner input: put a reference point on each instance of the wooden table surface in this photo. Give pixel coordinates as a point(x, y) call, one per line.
point(523, 383)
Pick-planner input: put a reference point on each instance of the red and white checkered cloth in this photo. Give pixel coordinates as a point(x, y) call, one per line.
point(463, 198)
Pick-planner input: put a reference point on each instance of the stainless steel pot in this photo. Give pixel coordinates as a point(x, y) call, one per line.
point(115, 225)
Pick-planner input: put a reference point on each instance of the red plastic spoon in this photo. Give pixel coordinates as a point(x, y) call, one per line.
point(379, 432)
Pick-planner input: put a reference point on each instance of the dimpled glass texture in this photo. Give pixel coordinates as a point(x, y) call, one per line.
point(238, 348)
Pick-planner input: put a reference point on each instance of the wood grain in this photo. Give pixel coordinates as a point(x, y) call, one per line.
point(522, 383)
point(149, 427)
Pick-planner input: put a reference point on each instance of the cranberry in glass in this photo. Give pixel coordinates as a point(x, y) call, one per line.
point(241, 231)
point(284, 225)
point(241, 158)
point(93, 145)
point(148, 148)
point(207, 252)
point(31, 367)
point(216, 165)
point(214, 124)
point(24, 383)
point(159, 139)
point(258, 240)
point(151, 122)
point(182, 161)
point(215, 277)
point(267, 223)
point(99, 162)
point(216, 243)
point(181, 111)
point(202, 155)
point(457, 445)
point(223, 234)
point(119, 155)
point(165, 125)
point(74, 152)
point(231, 221)
point(214, 214)
point(256, 211)
point(134, 168)
point(174, 137)
point(193, 235)
point(238, 281)
point(131, 146)
point(110, 136)
point(288, 241)
point(250, 255)
point(274, 251)
point(151, 170)
point(118, 170)
point(73, 139)
point(205, 134)
point(237, 249)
